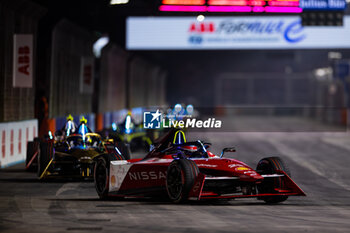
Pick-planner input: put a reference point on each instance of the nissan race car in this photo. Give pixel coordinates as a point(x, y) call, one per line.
point(183, 171)
point(71, 155)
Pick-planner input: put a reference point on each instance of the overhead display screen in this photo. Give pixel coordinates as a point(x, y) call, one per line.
point(258, 6)
point(248, 32)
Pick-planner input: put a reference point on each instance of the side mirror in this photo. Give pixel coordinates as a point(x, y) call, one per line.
point(228, 149)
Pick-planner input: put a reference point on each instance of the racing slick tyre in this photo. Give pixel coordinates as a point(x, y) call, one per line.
point(101, 177)
point(181, 176)
point(44, 156)
point(269, 166)
point(32, 148)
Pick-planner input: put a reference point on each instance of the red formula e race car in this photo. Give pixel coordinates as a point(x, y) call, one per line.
point(183, 171)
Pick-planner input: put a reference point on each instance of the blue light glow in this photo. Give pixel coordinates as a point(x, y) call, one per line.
point(128, 124)
point(114, 126)
point(50, 134)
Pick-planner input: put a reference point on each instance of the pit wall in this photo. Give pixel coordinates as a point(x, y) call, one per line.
point(13, 138)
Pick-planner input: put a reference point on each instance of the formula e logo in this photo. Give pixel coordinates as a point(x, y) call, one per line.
point(152, 120)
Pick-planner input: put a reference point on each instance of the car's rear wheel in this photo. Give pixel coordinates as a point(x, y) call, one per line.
point(181, 176)
point(101, 177)
point(44, 156)
point(269, 166)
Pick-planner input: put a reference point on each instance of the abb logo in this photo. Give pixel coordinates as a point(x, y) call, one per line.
point(24, 60)
point(207, 27)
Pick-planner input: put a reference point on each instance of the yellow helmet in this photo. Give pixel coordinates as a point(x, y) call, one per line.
point(83, 120)
point(69, 118)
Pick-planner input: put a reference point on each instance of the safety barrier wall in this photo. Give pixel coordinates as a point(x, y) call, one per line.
point(13, 138)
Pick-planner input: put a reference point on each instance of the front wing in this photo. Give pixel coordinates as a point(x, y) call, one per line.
point(197, 193)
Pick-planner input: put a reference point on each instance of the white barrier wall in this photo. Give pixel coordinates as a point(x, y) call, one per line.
point(13, 140)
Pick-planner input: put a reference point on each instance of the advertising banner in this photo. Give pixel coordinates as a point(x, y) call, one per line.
point(87, 75)
point(23, 60)
point(267, 32)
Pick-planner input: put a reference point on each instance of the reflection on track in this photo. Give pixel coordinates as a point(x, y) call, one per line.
point(318, 161)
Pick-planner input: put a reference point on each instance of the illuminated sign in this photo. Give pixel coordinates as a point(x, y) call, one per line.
point(323, 4)
point(252, 32)
point(269, 6)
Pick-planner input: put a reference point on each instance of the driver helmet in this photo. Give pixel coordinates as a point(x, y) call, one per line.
point(82, 127)
point(83, 120)
point(69, 127)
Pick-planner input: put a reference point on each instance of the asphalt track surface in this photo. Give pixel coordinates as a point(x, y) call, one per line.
point(319, 162)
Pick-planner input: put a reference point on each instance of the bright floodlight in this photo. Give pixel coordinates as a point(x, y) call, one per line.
point(178, 108)
point(99, 44)
point(189, 109)
point(200, 18)
point(115, 2)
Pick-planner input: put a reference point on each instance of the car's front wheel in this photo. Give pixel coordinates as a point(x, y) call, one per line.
point(267, 166)
point(180, 178)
